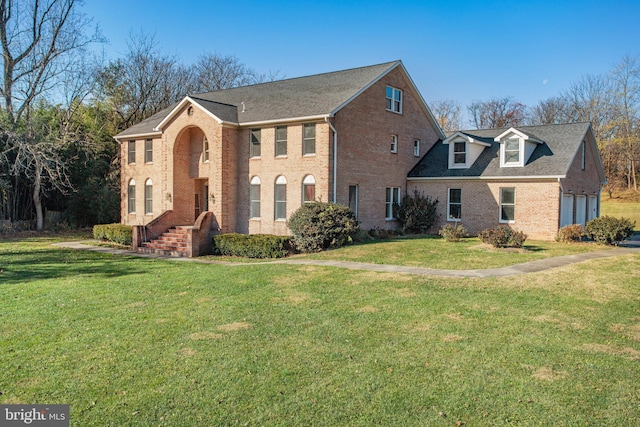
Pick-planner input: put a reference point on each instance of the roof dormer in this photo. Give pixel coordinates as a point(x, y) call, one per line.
point(464, 150)
point(516, 147)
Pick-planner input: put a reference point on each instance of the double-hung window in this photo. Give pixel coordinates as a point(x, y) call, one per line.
point(394, 143)
point(281, 141)
point(254, 196)
point(454, 209)
point(512, 151)
point(131, 152)
point(416, 147)
point(460, 153)
point(255, 143)
point(148, 197)
point(205, 150)
point(394, 99)
point(392, 202)
point(309, 138)
point(131, 196)
point(507, 204)
point(309, 189)
point(148, 151)
point(280, 198)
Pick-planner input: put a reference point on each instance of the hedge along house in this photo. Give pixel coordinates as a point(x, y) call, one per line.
point(535, 179)
point(244, 159)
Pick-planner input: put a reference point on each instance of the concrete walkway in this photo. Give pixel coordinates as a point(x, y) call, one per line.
point(630, 246)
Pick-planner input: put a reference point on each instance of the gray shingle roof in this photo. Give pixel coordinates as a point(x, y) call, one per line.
point(310, 96)
point(553, 158)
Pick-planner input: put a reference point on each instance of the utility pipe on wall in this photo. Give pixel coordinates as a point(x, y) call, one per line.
point(335, 159)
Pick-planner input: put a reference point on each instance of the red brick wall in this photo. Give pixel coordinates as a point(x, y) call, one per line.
point(364, 129)
point(537, 204)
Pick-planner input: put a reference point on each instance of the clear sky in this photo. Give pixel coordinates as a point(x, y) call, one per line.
point(463, 50)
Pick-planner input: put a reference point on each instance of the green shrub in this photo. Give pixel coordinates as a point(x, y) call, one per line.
point(117, 233)
point(609, 230)
point(417, 213)
point(570, 233)
point(453, 233)
point(251, 245)
point(318, 225)
point(383, 234)
point(503, 237)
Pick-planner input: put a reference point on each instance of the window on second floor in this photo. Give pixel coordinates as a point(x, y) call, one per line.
point(148, 151)
point(131, 152)
point(255, 143)
point(309, 138)
point(416, 147)
point(281, 141)
point(205, 149)
point(460, 153)
point(512, 151)
point(394, 143)
point(394, 99)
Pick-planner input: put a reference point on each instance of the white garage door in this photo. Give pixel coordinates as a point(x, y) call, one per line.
point(581, 210)
point(566, 210)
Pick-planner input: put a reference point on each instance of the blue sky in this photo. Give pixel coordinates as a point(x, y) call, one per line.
point(462, 50)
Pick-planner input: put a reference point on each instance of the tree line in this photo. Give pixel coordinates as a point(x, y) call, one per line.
point(61, 105)
point(609, 101)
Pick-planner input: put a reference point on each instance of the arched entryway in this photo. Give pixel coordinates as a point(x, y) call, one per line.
point(191, 171)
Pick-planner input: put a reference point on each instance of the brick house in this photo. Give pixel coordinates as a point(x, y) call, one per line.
point(244, 159)
point(533, 178)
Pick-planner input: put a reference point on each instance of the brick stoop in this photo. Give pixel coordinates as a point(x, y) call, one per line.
point(172, 242)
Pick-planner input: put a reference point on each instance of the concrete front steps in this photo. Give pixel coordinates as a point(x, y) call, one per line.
point(172, 242)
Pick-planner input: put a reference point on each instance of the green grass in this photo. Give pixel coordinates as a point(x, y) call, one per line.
point(434, 252)
point(622, 205)
point(139, 342)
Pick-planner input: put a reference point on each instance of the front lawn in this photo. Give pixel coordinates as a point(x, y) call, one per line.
point(140, 342)
point(622, 205)
point(435, 252)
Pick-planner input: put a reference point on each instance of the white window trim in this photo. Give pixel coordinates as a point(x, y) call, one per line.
point(251, 144)
point(306, 140)
point(416, 148)
point(279, 141)
point(255, 181)
point(148, 151)
point(503, 153)
point(205, 150)
point(148, 184)
point(394, 90)
point(394, 144)
point(131, 160)
point(131, 197)
point(449, 219)
point(386, 203)
point(509, 204)
point(583, 155)
point(281, 180)
point(308, 180)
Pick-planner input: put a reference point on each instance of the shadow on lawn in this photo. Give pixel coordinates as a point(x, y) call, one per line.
point(24, 266)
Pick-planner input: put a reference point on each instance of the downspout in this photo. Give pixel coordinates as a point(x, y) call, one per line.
point(335, 159)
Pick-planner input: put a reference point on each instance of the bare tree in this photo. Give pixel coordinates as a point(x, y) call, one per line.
point(447, 113)
point(589, 100)
point(143, 82)
point(497, 113)
point(216, 72)
point(42, 41)
point(551, 111)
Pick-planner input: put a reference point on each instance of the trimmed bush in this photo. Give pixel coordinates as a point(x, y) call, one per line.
point(417, 213)
point(251, 245)
point(570, 233)
point(609, 230)
point(116, 233)
point(503, 237)
point(317, 226)
point(453, 233)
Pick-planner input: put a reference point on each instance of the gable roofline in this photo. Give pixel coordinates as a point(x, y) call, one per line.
point(590, 139)
point(521, 134)
point(467, 138)
point(187, 100)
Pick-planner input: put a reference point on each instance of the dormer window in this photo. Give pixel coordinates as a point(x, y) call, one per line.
point(460, 153)
point(516, 147)
point(464, 150)
point(512, 151)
